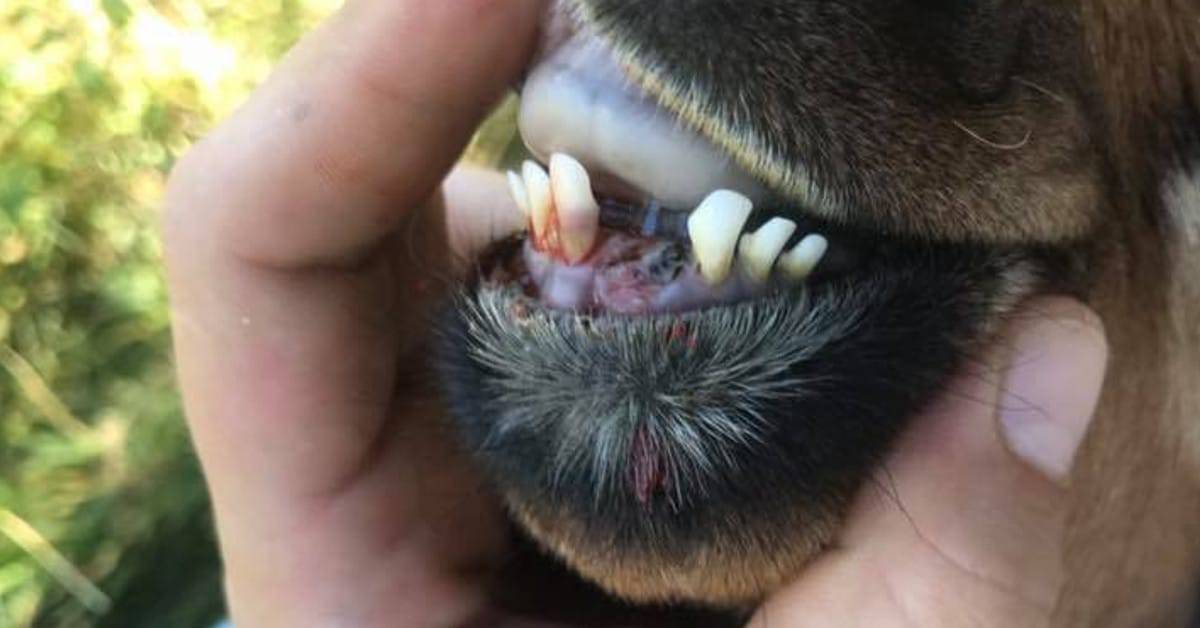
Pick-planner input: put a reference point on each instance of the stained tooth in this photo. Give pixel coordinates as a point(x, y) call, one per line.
point(576, 208)
point(758, 251)
point(800, 262)
point(714, 228)
point(541, 199)
point(520, 194)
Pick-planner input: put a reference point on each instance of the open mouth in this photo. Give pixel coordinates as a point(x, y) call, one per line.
point(675, 376)
point(631, 213)
point(691, 304)
point(588, 252)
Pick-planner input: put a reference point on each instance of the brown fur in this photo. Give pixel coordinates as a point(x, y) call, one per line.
point(731, 576)
point(1146, 59)
point(959, 160)
point(1134, 546)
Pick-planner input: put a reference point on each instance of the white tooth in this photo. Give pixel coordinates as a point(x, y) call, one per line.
point(577, 210)
point(520, 194)
point(800, 262)
point(758, 251)
point(714, 228)
point(541, 199)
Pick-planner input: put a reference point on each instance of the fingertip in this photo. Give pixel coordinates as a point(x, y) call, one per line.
point(479, 211)
point(355, 129)
point(1053, 383)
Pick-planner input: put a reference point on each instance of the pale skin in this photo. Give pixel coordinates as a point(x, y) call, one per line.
point(309, 236)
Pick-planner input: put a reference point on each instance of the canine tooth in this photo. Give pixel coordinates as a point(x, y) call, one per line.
point(520, 194)
point(800, 262)
point(759, 250)
point(541, 198)
point(576, 208)
point(714, 228)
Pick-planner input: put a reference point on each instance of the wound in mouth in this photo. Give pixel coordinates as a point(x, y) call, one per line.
point(595, 255)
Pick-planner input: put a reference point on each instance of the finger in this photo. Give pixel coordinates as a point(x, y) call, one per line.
point(1052, 385)
point(298, 298)
point(479, 211)
point(358, 125)
point(964, 525)
point(287, 339)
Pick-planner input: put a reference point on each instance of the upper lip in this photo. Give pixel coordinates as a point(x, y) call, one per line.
point(577, 100)
point(613, 151)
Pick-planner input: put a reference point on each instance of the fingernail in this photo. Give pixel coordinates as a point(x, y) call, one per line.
point(1053, 384)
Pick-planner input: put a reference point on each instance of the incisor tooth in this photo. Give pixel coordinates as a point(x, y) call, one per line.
point(800, 262)
point(575, 206)
point(759, 250)
point(516, 185)
point(541, 200)
point(714, 228)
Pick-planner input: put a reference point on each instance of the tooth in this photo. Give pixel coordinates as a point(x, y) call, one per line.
point(758, 251)
point(800, 262)
point(520, 194)
point(576, 208)
point(541, 199)
point(714, 228)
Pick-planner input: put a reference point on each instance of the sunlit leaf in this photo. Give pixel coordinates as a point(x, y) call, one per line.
point(117, 11)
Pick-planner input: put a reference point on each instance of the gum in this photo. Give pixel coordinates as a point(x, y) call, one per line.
point(633, 275)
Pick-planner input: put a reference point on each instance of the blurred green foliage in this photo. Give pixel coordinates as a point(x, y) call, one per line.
point(103, 515)
point(104, 518)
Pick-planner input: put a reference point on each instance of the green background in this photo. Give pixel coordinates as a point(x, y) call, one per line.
point(103, 514)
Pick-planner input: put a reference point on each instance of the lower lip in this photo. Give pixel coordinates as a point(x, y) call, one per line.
point(633, 276)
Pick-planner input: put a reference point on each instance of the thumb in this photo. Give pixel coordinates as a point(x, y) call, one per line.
point(965, 523)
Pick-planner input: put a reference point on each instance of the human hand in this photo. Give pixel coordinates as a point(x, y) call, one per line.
point(965, 523)
point(304, 252)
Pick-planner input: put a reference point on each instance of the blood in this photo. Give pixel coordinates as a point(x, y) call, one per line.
point(679, 331)
point(520, 311)
point(648, 473)
point(632, 272)
point(550, 241)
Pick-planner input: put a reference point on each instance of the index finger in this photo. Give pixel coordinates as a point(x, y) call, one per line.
point(287, 347)
point(358, 125)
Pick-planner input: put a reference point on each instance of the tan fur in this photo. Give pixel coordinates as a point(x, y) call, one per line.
point(1134, 547)
point(1147, 60)
point(730, 576)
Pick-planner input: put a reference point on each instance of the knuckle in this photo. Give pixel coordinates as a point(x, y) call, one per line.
point(187, 207)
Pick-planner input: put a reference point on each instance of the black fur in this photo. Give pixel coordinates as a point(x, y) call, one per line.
point(918, 314)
